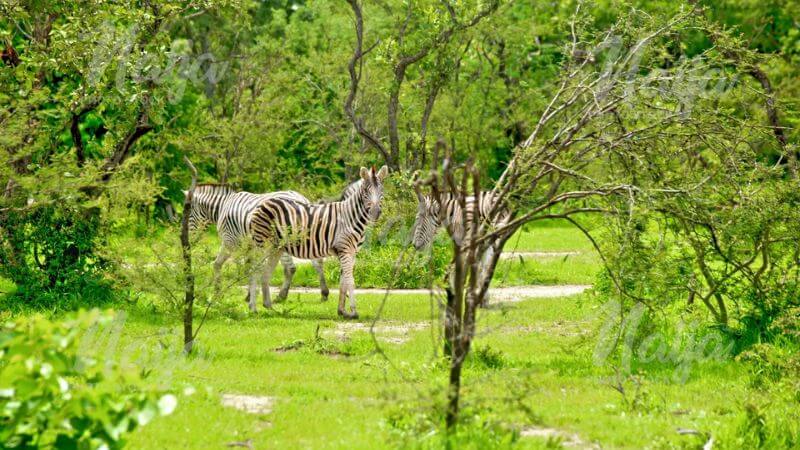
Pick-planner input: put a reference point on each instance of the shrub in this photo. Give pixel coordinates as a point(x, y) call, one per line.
point(377, 266)
point(413, 427)
point(53, 394)
point(49, 253)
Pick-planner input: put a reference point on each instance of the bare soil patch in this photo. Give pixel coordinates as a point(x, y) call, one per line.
point(390, 332)
point(503, 294)
point(250, 404)
point(566, 439)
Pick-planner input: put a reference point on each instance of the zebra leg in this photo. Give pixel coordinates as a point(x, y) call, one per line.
point(222, 256)
point(347, 286)
point(483, 272)
point(288, 273)
point(252, 286)
point(323, 285)
point(269, 267)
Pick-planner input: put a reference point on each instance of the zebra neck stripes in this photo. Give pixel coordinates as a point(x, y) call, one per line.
point(207, 202)
point(446, 211)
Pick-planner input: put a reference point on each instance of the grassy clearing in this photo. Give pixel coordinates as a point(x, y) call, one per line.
point(532, 372)
point(532, 367)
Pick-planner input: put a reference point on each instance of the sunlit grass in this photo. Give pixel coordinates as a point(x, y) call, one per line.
point(522, 269)
point(543, 364)
point(533, 365)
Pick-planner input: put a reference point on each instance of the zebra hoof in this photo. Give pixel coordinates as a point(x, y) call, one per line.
point(346, 315)
point(282, 295)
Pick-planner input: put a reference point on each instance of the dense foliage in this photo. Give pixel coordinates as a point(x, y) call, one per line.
point(64, 262)
point(58, 390)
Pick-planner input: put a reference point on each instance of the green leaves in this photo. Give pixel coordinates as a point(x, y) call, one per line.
point(55, 391)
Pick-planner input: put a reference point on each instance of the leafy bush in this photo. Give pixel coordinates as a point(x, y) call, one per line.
point(376, 266)
point(53, 394)
point(486, 357)
point(381, 266)
point(423, 428)
point(49, 253)
point(771, 363)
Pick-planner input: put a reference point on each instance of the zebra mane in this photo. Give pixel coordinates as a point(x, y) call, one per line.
point(348, 192)
point(215, 187)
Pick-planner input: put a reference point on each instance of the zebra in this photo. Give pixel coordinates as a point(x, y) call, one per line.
point(227, 208)
point(349, 190)
point(206, 203)
point(430, 217)
point(317, 230)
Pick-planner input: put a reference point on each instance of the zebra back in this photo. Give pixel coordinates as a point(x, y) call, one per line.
point(233, 223)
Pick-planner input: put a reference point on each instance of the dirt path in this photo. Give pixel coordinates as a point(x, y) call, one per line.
point(503, 294)
point(391, 332)
point(504, 255)
point(566, 439)
point(249, 403)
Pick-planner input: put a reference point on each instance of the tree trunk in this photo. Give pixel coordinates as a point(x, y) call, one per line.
point(454, 393)
point(188, 273)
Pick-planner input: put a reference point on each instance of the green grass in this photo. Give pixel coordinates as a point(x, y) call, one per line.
point(549, 237)
point(569, 269)
point(535, 368)
point(532, 365)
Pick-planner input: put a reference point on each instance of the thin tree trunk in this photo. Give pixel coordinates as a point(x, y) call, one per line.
point(188, 273)
point(454, 393)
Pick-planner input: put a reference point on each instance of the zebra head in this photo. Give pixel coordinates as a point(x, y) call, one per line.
point(371, 190)
point(206, 203)
point(426, 222)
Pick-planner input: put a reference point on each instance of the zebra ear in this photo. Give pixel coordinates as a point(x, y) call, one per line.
point(364, 174)
point(382, 173)
point(185, 193)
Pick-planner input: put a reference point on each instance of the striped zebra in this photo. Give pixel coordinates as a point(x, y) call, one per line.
point(348, 191)
point(230, 210)
point(430, 216)
point(206, 203)
point(351, 190)
point(281, 224)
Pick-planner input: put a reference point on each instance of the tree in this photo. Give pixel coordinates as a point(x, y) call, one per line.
point(188, 272)
point(419, 36)
point(636, 137)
